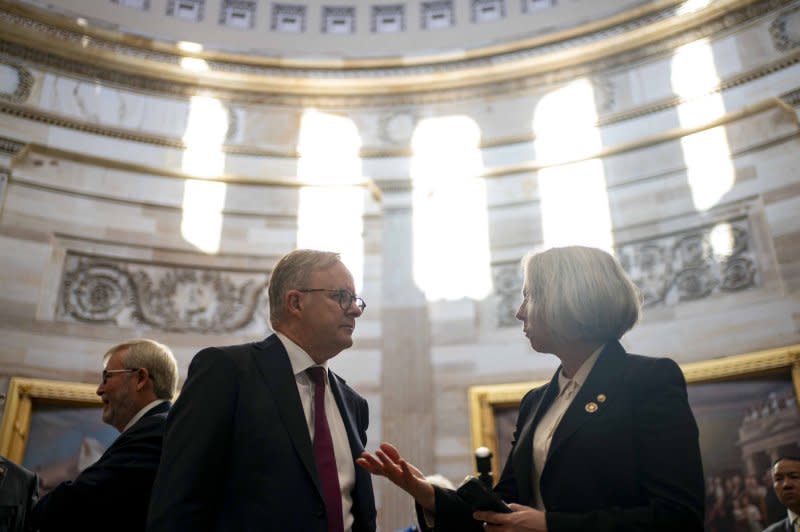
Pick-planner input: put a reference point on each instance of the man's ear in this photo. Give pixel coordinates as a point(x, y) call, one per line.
point(294, 303)
point(142, 379)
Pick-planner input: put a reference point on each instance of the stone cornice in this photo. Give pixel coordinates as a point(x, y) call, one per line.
point(468, 78)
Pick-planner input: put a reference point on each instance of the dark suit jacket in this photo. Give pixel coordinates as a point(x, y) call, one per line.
point(784, 525)
point(113, 493)
point(238, 454)
point(631, 464)
point(18, 494)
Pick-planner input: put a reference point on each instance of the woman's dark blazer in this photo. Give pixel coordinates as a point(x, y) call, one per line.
point(624, 457)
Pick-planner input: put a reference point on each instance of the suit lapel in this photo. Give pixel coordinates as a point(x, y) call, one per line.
point(522, 457)
point(276, 370)
point(586, 405)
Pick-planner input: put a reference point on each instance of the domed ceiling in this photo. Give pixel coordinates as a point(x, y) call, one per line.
point(336, 29)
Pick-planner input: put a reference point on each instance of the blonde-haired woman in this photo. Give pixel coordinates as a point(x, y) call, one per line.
point(609, 444)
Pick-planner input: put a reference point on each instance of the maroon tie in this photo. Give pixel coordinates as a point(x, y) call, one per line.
point(324, 456)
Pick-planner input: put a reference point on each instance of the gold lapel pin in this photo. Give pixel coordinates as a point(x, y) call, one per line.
point(591, 407)
point(601, 398)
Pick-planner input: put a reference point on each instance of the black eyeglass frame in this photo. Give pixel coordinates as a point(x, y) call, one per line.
point(109, 372)
point(346, 298)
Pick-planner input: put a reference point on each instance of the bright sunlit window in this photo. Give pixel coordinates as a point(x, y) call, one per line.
point(707, 155)
point(331, 213)
point(203, 200)
point(450, 225)
point(574, 199)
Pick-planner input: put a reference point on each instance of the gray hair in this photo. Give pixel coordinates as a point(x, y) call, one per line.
point(581, 293)
point(292, 271)
point(156, 358)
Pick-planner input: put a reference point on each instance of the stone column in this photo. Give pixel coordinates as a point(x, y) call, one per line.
point(407, 375)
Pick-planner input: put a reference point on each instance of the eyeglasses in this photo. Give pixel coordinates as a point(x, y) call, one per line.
point(345, 298)
point(109, 372)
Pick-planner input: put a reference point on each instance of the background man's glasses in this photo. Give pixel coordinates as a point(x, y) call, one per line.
point(109, 372)
point(345, 298)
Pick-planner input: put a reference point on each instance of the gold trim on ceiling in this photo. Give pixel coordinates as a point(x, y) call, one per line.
point(387, 82)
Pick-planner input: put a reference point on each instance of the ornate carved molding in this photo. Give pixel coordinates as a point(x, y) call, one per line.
point(10, 146)
point(669, 270)
point(785, 30)
point(164, 297)
point(518, 70)
point(23, 86)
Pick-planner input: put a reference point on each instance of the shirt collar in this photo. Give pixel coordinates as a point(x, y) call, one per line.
point(583, 371)
point(298, 358)
point(792, 516)
point(140, 414)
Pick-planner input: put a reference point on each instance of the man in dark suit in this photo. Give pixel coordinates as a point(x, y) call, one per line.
point(137, 384)
point(263, 435)
point(786, 481)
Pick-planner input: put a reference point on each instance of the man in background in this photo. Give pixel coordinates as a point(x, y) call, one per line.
point(786, 481)
point(264, 436)
point(137, 384)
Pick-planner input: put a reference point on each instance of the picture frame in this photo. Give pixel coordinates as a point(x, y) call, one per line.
point(28, 399)
point(492, 408)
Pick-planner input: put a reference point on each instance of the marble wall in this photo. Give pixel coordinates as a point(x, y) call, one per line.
point(688, 154)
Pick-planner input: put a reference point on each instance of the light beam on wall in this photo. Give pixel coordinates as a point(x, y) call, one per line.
point(574, 199)
point(204, 200)
point(330, 216)
point(709, 169)
point(450, 222)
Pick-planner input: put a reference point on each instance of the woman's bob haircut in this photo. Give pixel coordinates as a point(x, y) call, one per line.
point(580, 294)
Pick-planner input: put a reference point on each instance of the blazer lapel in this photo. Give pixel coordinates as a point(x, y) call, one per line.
point(522, 457)
point(586, 405)
point(276, 370)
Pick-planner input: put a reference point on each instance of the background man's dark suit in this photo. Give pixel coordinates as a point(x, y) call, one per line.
point(238, 455)
point(784, 525)
point(633, 464)
point(113, 493)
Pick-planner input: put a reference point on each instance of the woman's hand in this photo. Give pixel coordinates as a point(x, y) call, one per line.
point(522, 519)
point(388, 463)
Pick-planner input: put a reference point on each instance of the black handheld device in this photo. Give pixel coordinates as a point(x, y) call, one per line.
point(479, 497)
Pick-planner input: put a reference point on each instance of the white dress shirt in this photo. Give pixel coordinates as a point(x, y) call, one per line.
point(301, 361)
point(140, 414)
point(548, 423)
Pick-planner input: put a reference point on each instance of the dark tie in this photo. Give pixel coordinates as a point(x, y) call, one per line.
point(324, 456)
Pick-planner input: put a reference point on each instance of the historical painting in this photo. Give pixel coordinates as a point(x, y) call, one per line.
point(53, 428)
point(748, 414)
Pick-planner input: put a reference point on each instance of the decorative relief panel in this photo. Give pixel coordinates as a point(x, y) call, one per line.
point(692, 265)
point(785, 30)
point(668, 270)
point(15, 82)
point(290, 18)
point(168, 298)
point(186, 9)
point(388, 18)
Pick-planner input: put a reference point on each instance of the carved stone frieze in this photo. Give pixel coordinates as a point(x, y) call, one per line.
point(692, 265)
point(164, 297)
point(668, 270)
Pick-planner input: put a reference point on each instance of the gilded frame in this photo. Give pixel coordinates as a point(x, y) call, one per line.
point(23, 395)
point(484, 400)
